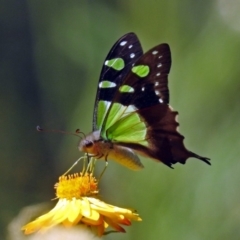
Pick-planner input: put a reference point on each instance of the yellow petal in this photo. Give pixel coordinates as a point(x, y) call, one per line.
point(86, 211)
point(75, 210)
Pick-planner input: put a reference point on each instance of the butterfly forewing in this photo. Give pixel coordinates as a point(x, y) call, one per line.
point(125, 52)
point(148, 79)
point(144, 86)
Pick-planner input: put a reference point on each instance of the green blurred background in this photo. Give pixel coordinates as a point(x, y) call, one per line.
point(51, 53)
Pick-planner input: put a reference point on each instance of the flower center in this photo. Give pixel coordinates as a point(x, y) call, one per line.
point(76, 186)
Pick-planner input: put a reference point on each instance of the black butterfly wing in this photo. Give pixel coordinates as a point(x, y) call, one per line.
point(139, 116)
point(124, 53)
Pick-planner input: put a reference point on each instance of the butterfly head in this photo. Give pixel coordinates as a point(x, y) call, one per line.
point(89, 143)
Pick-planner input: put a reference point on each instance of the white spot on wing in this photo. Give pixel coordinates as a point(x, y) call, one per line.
point(106, 62)
point(143, 89)
point(156, 84)
point(160, 56)
point(159, 65)
point(157, 92)
point(130, 46)
point(123, 43)
point(132, 55)
point(158, 74)
point(160, 100)
point(154, 52)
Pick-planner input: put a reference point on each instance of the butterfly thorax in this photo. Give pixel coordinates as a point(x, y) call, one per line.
point(94, 145)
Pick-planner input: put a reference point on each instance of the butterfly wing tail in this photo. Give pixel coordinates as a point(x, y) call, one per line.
point(204, 159)
point(173, 150)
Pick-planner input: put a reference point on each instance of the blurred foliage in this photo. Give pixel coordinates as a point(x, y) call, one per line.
point(50, 59)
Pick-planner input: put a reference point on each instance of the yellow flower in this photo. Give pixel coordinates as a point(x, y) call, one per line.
point(78, 204)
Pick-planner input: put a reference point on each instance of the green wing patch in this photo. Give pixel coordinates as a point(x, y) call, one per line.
point(141, 70)
point(106, 84)
point(126, 88)
point(123, 124)
point(115, 63)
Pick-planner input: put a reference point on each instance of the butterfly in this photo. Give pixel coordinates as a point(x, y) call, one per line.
point(132, 114)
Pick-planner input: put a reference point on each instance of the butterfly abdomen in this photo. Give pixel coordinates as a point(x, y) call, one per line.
point(126, 157)
point(108, 150)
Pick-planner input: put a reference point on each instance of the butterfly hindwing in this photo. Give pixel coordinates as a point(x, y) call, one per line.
point(117, 64)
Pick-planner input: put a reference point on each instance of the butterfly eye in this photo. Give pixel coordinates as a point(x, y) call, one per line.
point(88, 144)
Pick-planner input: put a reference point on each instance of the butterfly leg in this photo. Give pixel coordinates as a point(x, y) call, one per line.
point(106, 164)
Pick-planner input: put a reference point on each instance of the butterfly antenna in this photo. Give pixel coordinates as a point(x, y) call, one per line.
point(39, 129)
point(79, 132)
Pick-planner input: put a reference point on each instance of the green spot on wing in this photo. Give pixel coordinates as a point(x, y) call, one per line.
point(115, 63)
point(141, 70)
point(107, 84)
point(126, 88)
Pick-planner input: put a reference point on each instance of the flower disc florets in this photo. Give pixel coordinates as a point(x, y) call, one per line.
point(76, 186)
